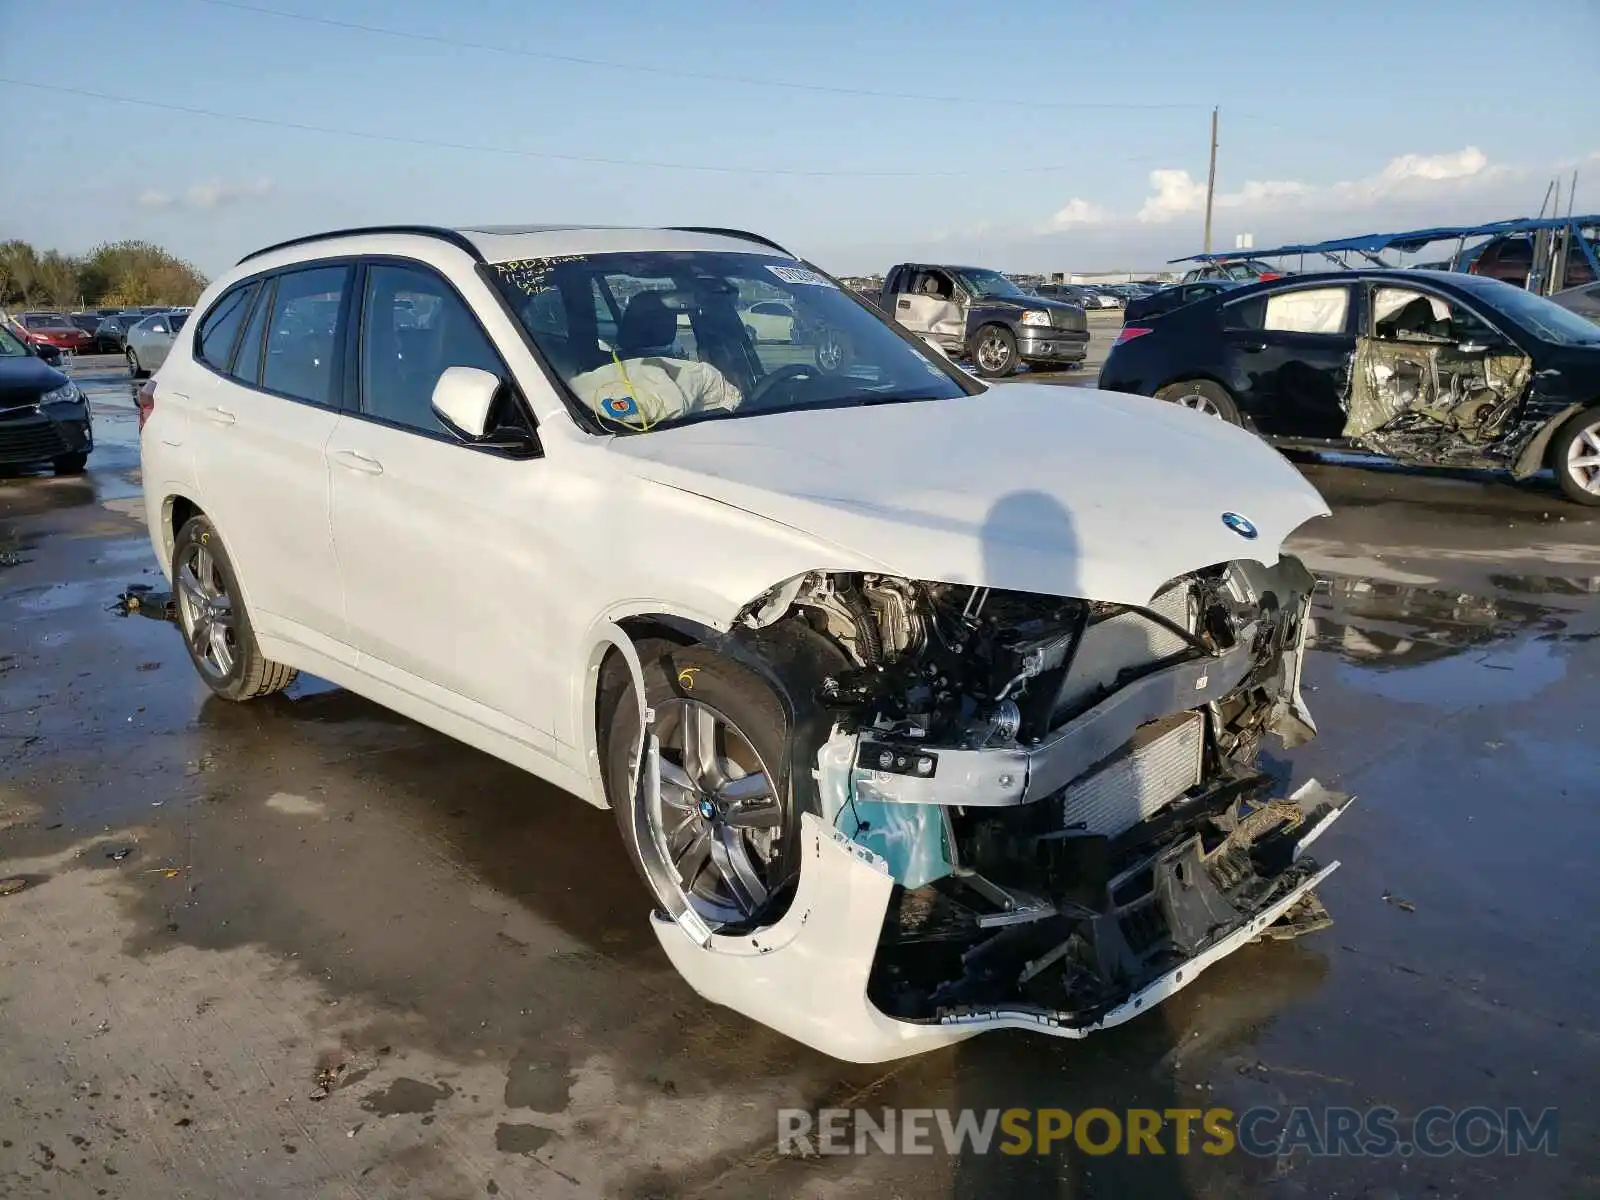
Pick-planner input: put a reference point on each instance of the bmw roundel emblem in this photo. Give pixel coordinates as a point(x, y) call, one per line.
point(1240, 525)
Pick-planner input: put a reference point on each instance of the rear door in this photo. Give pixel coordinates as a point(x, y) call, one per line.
point(445, 566)
point(1289, 354)
point(258, 427)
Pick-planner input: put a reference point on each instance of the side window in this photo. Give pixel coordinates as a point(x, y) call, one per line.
point(1245, 314)
point(247, 363)
point(303, 334)
point(214, 343)
point(1408, 315)
point(1308, 310)
point(413, 326)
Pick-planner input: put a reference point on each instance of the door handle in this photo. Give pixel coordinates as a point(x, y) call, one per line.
point(351, 460)
point(220, 415)
point(1252, 347)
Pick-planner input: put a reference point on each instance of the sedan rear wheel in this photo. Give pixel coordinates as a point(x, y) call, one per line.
point(1202, 396)
point(1575, 457)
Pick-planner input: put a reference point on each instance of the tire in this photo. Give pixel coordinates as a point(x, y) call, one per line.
point(994, 352)
point(833, 354)
point(680, 681)
point(1203, 396)
point(71, 464)
point(1575, 457)
point(134, 368)
point(203, 576)
point(750, 332)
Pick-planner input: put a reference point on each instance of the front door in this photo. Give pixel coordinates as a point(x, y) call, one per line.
point(1290, 353)
point(932, 305)
point(439, 542)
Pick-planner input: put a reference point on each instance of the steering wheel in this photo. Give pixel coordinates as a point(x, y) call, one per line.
point(788, 373)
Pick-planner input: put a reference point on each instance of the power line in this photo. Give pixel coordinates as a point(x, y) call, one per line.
point(679, 73)
point(551, 155)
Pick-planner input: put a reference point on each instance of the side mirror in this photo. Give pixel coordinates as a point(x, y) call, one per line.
point(936, 347)
point(462, 399)
point(158, 329)
point(50, 354)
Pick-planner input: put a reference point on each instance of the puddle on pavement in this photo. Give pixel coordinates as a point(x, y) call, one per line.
point(1449, 648)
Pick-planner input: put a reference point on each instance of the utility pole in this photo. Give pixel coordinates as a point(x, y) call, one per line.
point(1211, 178)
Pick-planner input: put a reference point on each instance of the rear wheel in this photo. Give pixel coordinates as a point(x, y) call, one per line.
point(994, 352)
point(726, 825)
point(1202, 396)
point(1575, 457)
point(216, 627)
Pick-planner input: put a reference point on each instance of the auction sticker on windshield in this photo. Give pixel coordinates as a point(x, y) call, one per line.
point(801, 275)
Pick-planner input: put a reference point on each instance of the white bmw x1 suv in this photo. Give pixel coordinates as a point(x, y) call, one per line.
point(924, 707)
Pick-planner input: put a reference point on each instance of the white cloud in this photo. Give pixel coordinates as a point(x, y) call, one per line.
point(1077, 211)
point(203, 197)
point(1175, 194)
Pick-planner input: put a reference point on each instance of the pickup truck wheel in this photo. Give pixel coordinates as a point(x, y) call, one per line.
point(1575, 457)
point(727, 820)
point(1202, 396)
point(211, 615)
point(833, 352)
point(994, 352)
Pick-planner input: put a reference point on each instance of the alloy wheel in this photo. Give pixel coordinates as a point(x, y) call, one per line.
point(993, 353)
point(720, 820)
point(1199, 403)
point(1583, 459)
point(205, 612)
point(830, 351)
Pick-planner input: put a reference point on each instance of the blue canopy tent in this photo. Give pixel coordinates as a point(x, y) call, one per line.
point(1370, 246)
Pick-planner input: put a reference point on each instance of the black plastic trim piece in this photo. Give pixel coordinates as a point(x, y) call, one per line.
point(455, 238)
point(742, 234)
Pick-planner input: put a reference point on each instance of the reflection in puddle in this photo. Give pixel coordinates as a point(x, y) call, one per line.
point(1446, 648)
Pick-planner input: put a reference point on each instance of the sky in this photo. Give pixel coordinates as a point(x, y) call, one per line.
point(1060, 136)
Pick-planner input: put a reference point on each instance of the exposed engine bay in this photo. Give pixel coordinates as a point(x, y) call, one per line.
point(1066, 793)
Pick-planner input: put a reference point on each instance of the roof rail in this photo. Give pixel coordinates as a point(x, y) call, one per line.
point(435, 231)
point(741, 234)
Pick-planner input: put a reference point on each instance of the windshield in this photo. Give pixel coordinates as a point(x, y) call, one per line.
point(10, 345)
point(983, 284)
point(649, 340)
point(46, 321)
point(1535, 313)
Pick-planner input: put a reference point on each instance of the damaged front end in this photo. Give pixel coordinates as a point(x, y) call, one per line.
point(1030, 811)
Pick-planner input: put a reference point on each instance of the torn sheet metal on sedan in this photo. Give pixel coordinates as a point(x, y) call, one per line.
point(1032, 810)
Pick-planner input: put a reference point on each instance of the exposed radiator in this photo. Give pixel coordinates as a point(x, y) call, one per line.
point(1126, 640)
point(1160, 762)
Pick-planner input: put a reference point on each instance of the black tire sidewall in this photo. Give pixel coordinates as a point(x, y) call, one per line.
point(1557, 456)
point(1010, 341)
point(231, 686)
point(739, 695)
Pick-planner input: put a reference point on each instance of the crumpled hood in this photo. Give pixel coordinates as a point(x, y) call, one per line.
point(1058, 490)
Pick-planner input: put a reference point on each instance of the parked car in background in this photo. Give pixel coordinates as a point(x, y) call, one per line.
point(86, 321)
point(44, 417)
point(1510, 258)
point(1239, 270)
point(1083, 295)
point(52, 329)
point(841, 651)
point(111, 335)
point(1424, 367)
point(1585, 300)
point(1164, 300)
point(149, 341)
point(978, 313)
point(768, 321)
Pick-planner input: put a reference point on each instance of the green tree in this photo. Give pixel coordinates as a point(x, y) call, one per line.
point(133, 273)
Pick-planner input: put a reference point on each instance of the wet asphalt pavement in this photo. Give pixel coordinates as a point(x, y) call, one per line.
point(305, 947)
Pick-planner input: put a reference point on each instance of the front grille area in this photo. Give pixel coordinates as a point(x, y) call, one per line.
point(1125, 640)
point(31, 441)
point(1160, 762)
point(1069, 318)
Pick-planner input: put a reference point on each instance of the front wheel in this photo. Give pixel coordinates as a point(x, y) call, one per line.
point(134, 369)
point(994, 352)
point(216, 627)
point(726, 829)
point(1575, 457)
point(71, 464)
point(1202, 396)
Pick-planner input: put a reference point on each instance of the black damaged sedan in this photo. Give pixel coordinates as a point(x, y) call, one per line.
point(44, 416)
point(1425, 367)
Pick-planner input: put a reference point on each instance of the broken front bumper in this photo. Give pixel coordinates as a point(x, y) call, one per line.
point(807, 975)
